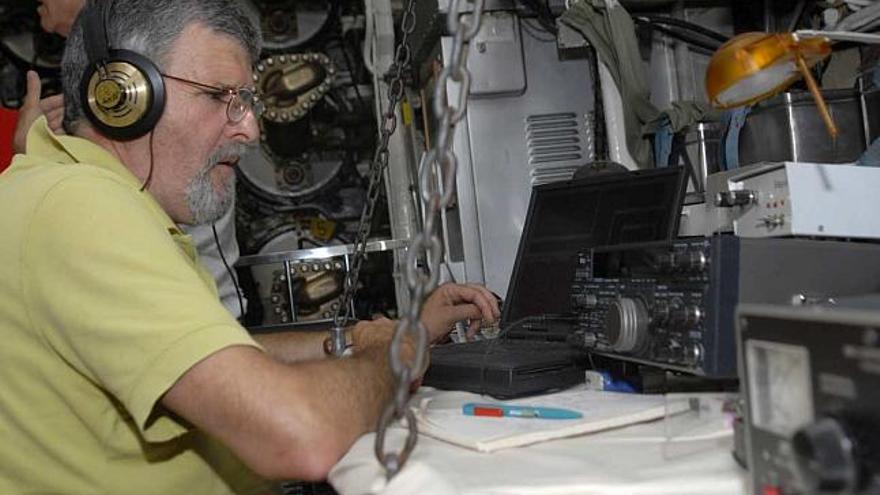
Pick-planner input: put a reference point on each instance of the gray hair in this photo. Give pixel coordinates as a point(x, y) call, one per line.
point(150, 28)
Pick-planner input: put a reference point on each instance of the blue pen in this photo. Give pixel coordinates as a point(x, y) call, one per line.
point(501, 410)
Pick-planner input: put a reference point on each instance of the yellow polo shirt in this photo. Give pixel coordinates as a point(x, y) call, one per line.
point(103, 306)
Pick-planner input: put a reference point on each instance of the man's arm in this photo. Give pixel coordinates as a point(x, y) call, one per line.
point(446, 305)
point(296, 420)
point(291, 347)
point(288, 420)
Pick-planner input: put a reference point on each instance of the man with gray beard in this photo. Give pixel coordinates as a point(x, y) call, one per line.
point(120, 370)
point(215, 241)
point(215, 250)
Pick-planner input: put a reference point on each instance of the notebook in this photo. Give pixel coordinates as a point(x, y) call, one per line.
point(563, 219)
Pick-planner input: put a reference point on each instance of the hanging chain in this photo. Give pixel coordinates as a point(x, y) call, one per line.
point(402, 58)
point(437, 171)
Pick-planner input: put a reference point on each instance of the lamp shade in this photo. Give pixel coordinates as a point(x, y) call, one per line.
point(754, 66)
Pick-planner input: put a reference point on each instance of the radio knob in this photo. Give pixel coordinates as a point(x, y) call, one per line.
point(667, 261)
point(687, 316)
point(696, 261)
point(693, 354)
point(661, 313)
point(586, 300)
point(826, 457)
point(626, 324)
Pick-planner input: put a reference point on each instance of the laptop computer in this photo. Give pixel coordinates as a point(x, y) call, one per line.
point(563, 218)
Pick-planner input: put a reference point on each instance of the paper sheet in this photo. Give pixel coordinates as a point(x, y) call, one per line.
point(444, 420)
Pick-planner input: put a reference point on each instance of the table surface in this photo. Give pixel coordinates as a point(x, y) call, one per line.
point(638, 459)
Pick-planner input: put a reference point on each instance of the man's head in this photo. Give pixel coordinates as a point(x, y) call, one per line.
point(56, 16)
point(200, 47)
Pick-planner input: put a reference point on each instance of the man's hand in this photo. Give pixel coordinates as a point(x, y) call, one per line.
point(32, 108)
point(450, 303)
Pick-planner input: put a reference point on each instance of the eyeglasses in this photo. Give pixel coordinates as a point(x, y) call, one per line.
point(240, 100)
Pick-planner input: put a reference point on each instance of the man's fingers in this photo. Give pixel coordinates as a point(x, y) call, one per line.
point(473, 328)
point(482, 297)
point(490, 296)
point(32, 98)
point(29, 112)
point(52, 103)
point(465, 312)
point(55, 120)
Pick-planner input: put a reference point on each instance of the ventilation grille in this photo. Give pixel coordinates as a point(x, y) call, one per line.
point(556, 146)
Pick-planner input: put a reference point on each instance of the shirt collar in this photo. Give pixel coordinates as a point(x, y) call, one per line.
point(72, 149)
point(41, 141)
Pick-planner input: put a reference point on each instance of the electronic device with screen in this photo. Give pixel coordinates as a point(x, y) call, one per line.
point(532, 355)
point(811, 378)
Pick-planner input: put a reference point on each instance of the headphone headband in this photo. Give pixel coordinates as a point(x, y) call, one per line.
point(95, 34)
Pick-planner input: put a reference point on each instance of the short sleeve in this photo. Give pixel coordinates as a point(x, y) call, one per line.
point(117, 299)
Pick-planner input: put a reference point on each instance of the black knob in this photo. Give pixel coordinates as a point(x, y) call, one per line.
point(727, 199)
point(661, 313)
point(626, 324)
point(695, 261)
point(826, 457)
point(686, 316)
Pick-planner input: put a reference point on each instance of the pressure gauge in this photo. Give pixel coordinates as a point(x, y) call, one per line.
point(780, 383)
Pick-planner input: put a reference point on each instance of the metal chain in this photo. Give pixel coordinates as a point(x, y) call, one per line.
point(437, 171)
point(402, 58)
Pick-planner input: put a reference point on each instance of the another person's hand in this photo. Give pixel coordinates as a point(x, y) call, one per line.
point(450, 303)
point(32, 108)
point(53, 109)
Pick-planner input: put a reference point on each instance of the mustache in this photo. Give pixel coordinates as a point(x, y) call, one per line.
point(229, 153)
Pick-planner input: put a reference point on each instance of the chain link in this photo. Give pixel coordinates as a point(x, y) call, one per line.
point(437, 170)
point(402, 58)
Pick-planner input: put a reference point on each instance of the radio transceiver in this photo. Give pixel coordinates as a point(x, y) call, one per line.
point(671, 303)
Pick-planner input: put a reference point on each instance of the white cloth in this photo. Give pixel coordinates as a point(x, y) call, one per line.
point(634, 460)
point(203, 238)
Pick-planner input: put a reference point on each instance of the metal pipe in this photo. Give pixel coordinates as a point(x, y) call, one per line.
point(684, 70)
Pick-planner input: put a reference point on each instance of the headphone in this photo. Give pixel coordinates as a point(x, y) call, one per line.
point(123, 92)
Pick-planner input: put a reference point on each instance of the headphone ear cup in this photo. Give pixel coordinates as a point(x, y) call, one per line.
point(124, 96)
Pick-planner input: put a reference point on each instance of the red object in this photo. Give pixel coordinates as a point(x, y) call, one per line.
point(8, 119)
point(488, 411)
point(771, 490)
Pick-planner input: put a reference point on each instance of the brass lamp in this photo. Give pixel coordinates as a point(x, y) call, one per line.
point(754, 66)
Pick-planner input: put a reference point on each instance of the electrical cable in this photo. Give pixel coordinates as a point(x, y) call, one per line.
point(369, 26)
point(351, 73)
point(228, 269)
point(709, 45)
point(533, 31)
point(545, 16)
point(798, 13)
point(690, 26)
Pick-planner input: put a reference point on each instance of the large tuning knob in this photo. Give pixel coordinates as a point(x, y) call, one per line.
point(626, 324)
point(826, 457)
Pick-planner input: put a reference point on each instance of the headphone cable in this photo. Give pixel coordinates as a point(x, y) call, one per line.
point(213, 230)
point(228, 269)
point(149, 178)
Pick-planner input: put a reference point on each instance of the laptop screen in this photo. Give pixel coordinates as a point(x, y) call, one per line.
point(568, 217)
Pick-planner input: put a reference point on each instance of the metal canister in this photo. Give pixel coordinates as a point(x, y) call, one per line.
point(788, 127)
